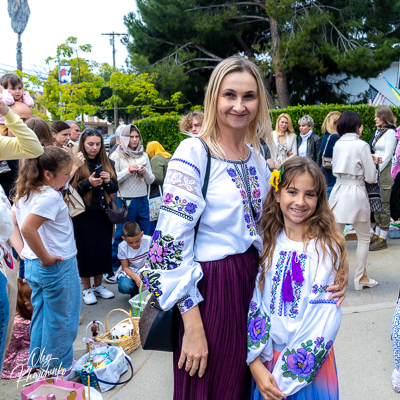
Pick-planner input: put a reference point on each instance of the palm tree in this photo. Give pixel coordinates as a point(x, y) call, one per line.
point(19, 12)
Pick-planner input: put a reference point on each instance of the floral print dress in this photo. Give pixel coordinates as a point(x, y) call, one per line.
point(302, 328)
point(235, 195)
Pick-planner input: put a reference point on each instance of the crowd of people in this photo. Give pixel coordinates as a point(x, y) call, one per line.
point(259, 238)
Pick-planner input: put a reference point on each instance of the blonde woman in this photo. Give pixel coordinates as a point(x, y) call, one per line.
point(284, 141)
point(328, 141)
point(211, 278)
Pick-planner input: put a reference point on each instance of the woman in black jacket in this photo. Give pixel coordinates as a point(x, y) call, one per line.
point(95, 181)
point(308, 143)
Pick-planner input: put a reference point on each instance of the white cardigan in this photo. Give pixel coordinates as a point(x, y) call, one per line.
point(131, 185)
point(352, 165)
point(280, 155)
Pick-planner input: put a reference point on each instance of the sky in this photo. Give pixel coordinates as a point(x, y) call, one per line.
point(51, 22)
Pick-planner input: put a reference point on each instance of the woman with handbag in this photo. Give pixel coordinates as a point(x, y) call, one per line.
point(327, 143)
point(284, 141)
point(95, 181)
point(134, 174)
point(353, 165)
point(159, 159)
point(383, 144)
point(210, 276)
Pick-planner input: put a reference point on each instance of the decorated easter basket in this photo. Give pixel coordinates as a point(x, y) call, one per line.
point(128, 344)
point(96, 325)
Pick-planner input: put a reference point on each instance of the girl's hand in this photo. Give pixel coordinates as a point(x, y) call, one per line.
point(133, 167)
point(95, 181)
point(265, 381)
point(3, 108)
point(194, 352)
point(142, 170)
point(340, 289)
point(137, 280)
point(290, 153)
point(271, 163)
point(50, 260)
point(105, 176)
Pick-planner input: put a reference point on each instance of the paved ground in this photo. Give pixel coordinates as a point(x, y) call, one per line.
point(363, 347)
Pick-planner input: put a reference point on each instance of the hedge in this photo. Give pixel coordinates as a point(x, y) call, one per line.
point(166, 129)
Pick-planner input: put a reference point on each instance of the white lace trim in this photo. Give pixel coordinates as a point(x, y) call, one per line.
point(183, 181)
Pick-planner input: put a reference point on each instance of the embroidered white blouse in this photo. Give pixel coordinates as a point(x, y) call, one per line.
point(304, 329)
point(235, 195)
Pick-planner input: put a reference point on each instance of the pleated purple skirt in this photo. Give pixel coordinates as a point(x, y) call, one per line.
point(227, 287)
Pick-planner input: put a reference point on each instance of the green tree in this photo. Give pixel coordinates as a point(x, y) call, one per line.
point(296, 43)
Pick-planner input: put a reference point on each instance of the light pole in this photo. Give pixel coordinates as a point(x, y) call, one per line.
point(112, 42)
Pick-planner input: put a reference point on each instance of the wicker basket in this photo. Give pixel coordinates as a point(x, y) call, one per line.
point(127, 344)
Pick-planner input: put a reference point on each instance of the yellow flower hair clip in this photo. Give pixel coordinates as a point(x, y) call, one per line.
point(276, 178)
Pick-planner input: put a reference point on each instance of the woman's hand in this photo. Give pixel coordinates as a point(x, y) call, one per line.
point(105, 176)
point(95, 181)
point(271, 163)
point(133, 167)
point(194, 351)
point(265, 381)
point(290, 153)
point(79, 160)
point(376, 159)
point(142, 170)
point(340, 289)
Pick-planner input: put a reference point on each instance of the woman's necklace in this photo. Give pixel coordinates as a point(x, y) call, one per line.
point(240, 158)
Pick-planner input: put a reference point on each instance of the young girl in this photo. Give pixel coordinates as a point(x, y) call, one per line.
point(292, 321)
point(50, 266)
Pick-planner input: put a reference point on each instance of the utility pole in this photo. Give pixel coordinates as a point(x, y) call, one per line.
point(112, 42)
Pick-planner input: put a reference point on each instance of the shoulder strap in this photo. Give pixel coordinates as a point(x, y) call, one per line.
point(323, 155)
point(205, 185)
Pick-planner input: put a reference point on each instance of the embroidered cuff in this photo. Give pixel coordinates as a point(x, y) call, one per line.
point(189, 301)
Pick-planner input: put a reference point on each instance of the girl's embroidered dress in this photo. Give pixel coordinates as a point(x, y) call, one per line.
point(292, 324)
point(218, 271)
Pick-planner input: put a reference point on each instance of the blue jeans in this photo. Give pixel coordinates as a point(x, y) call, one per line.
point(4, 316)
point(127, 286)
point(138, 211)
point(56, 300)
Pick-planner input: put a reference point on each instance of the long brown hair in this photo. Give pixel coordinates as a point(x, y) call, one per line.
point(31, 174)
point(83, 172)
point(320, 226)
point(42, 130)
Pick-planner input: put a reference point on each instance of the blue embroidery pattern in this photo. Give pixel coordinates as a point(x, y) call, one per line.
point(185, 304)
point(319, 288)
point(276, 279)
point(187, 163)
point(323, 301)
point(179, 206)
point(247, 183)
point(297, 290)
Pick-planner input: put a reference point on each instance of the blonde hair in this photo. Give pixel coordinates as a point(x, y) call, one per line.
point(290, 124)
point(329, 122)
point(187, 120)
point(260, 127)
point(320, 226)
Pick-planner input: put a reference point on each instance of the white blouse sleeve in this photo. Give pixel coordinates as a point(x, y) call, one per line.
point(170, 270)
point(390, 147)
point(302, 358)
point(258, 328)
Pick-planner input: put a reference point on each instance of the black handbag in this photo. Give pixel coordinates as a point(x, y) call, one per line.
point(119, 215)
point(374, 194)
point(159, 329)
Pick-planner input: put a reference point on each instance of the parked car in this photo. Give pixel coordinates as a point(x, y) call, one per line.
point(107, 139)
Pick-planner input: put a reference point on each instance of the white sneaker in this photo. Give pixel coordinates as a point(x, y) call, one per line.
point(103, 292)
point(396, 380)
point(89, 297)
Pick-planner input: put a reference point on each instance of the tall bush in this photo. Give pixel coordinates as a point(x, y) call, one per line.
point(166, 129)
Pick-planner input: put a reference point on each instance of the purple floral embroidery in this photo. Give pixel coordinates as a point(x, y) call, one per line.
point(293, 312)
point(247, 218)
point(243, 193)
point(178, 206)
point(252, 171)
point(301, 363)
point(256, 193)
point(165, 252)
point(168, 198)
point(258, 327)
point(231, 172)
point(253, 306)
point(188, 303)
point(151, 279)
point(304, 363)
point(156, 253)
point(318, 341)
point(319, 289)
